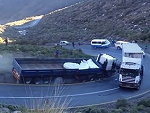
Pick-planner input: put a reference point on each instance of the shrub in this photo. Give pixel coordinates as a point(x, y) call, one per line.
point(145, 103)
point(103, 111)
point(140, 107)
point(117, 111)
point(124, 108)
point(13, 108)
point(121, 103)
point(134, 110)
point(147, 109)
point(92, 110)
point(35, 50)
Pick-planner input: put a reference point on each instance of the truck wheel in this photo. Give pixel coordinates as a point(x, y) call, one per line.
point(118, 48)
point(120, 86)
point(138, 87)
point(58, 80)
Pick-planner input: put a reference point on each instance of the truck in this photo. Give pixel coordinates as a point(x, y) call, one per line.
point(131, 69)
point(34, 70)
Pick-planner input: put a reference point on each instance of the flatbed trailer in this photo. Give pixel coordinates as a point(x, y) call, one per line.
point(43, 68)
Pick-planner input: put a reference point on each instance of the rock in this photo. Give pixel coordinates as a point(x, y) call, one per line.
point(16, 112)
point(4, 110)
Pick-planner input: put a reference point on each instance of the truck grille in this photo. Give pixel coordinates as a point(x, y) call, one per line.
point(128, 79)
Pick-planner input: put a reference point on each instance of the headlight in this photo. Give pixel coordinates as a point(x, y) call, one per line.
point(120, 77)
point(137, 79)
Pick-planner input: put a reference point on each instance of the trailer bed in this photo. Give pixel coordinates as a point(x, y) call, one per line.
point(42, 64)
point(39, 66)
point(53, 68)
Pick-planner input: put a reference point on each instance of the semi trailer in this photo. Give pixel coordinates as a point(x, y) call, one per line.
point(32, 70)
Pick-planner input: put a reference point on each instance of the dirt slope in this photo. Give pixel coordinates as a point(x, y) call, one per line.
point(12, 10)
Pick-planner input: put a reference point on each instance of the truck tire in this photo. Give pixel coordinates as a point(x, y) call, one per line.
point(138, 87)
point(139, 84)
point(120, 86)
point(58, 80)
point(118, 48)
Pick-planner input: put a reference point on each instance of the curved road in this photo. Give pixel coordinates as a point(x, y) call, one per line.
point(74, 95)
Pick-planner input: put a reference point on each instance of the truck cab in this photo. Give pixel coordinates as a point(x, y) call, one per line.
point(108, 62)
point(131, 69)
point(130, 75)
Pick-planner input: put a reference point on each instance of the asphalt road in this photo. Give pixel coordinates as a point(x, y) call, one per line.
point(74, 95)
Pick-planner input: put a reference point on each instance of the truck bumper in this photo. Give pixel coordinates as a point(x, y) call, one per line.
point(129, 85)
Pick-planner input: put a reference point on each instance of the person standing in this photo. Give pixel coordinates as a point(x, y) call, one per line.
point(73, 44)
point(56, 53)
point(6, 41)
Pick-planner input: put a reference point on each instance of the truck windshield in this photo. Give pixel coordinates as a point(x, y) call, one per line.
point(129, 72)
point(134, 55)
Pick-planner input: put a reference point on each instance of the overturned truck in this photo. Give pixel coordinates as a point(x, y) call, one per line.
point(37, 70)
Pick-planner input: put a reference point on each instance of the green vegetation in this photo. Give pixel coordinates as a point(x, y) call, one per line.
point(141, 106)
point(122, 103)
point(43, 51)
point(121, 106)
point(144, 103)
point(13, 108)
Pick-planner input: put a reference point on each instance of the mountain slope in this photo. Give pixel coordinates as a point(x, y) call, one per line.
point(117, 19)
point(12, 10)
point(128, 19)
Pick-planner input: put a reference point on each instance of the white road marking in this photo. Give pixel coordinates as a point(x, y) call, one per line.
point(135, 96)
point(83, 94)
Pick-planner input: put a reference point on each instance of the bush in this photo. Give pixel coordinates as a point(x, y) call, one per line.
point(147, 109)
point(140, 107)
point(36, 50)
point(92, 110)
point(117, 111)
point(134, 110)
point(103, 111)
point(145, 103)
point(124, 109)
point(121, 103)
point(13, 108)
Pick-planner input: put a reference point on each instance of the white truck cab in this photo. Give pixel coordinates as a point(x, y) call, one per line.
point(107, 61)
point(131, 70)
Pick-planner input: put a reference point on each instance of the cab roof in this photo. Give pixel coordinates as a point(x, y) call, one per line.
point(131, 48)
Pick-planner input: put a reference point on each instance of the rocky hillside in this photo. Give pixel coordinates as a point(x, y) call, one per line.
point(118, 19)
point(12, 10)
point(97, 19)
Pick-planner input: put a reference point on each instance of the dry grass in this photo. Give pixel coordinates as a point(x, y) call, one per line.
point(52, 104)
point(23, 21)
